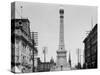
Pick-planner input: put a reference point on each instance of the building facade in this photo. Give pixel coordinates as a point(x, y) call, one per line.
point(90, 49)
point(34, 36)
point(22, 46)
point(45, 66)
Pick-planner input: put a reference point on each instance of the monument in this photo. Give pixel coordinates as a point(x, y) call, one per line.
point(61, 63)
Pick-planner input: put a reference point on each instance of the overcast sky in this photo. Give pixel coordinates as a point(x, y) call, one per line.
point(44, 19)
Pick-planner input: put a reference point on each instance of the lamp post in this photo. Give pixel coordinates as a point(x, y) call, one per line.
point(61, 67)
point(33, 56)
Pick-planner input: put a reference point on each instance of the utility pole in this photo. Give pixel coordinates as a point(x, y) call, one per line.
point(78, 57)
point(21, 11)
point(78, 54)
point(91, 22)
point(69, 59)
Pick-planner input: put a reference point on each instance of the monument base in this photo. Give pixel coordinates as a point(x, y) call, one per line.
point(58, 68)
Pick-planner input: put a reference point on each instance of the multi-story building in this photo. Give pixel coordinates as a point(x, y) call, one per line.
point(90, 49)
point(22, 46)
point(45, 66)
point(34, 36)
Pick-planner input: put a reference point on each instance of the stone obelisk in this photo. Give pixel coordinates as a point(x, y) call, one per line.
point(61, 52)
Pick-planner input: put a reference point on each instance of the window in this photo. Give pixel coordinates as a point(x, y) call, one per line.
point(20, 23)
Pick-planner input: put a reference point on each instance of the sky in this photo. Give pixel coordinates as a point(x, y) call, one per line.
point(44, 19)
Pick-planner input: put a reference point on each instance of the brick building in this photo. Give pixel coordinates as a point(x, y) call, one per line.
point(90, 49)
point(22, 46)
point(45, 66)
